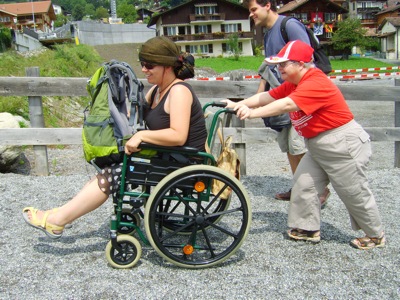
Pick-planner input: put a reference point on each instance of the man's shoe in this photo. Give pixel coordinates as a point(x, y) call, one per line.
point(284, 196)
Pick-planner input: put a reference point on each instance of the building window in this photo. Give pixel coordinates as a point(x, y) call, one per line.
point(202, 29)
point(199, 10)
point(303, 17)
point(330, 17)
point(211, 10)
point(171, 30)
point(208, 48)
point(4, 19)
point(202, 10)
point(231, 27)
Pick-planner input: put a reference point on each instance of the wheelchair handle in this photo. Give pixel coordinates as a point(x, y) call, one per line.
point(219, 104)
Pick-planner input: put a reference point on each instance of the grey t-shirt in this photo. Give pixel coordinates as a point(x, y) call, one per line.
point(273, 40)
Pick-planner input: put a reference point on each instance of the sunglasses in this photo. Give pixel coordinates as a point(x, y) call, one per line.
point(286, 63)
point(146, 65)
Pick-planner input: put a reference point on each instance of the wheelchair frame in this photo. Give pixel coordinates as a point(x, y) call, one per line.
point(185, 222)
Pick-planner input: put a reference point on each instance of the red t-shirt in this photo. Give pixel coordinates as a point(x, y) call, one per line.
point(322, 105)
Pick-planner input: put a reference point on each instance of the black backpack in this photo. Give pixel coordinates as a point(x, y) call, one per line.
point(320, 59)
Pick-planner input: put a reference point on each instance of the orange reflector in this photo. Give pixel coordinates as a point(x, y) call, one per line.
point(188, 249)
point(199, 186)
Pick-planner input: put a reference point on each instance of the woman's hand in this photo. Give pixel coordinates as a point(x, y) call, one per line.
point(133, 143)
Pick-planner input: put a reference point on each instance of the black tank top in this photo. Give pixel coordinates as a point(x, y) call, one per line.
point(157, 118)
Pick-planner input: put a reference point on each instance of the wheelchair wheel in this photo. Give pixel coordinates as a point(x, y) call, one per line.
point(173, 206)
point(128, 216)
point(183, 203)
point(128, 254)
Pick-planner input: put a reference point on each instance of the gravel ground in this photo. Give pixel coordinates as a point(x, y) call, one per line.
point(268, 265)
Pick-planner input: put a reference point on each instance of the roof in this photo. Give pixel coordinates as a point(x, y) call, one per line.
point(390, 9)
point(25, 8)
point(154, 18)
point(395, 21)
point(293, 5)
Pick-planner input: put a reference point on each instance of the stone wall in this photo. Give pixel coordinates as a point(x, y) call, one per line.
point(92, 33)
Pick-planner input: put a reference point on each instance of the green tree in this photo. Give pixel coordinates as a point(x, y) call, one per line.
point(350, 33)
point(233, 43)
point(127, 13)
point(78, 9)
point(90, 10)
point(60, 20)
point(101, 13)
point(5, 38)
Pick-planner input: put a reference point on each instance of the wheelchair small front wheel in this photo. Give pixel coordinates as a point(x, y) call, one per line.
point(128, 254)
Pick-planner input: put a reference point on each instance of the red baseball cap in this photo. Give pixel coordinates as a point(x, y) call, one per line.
point(294, 50)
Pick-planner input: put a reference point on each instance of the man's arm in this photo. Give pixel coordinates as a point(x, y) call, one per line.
point(261, 86)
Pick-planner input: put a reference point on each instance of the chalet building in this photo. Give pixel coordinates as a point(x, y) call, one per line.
point(204, 26)
point(319, 15)
point(37, 16)
point(390, 12)
point(366, 11)
point(389, 31)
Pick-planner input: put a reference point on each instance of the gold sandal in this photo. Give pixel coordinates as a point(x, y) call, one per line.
point(42, 224)
point(366, 243)
point(304, 235)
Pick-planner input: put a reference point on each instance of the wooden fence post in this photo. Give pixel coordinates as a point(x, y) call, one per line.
point(240, 148)
point(396, 124)
point(37, 121)
point(234, 121)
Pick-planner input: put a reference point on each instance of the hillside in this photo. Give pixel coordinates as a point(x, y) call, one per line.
point(123, 52)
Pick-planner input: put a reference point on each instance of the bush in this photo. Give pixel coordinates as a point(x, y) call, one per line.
point(67, 60)
point(5, 38)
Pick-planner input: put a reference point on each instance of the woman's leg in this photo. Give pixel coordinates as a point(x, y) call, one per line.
point(88, 199)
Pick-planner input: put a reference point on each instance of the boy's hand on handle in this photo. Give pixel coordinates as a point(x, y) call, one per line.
point(242, 111)
point(229, 103)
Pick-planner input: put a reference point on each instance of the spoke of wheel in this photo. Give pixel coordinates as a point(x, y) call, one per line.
point(208, 241)
point(235, 236)
point(171, 234)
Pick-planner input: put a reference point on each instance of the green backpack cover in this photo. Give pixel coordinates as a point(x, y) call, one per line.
point(114, 90)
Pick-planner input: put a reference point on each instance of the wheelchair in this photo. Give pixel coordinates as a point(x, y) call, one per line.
point(184, 221)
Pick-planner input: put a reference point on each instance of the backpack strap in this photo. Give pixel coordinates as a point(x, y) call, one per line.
point(135, 93)
point(283, 28)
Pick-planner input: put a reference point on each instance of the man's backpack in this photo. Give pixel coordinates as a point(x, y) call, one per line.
point(114, 89)
point(320, 59)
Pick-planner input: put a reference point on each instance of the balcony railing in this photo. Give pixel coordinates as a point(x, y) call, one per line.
point(210, 36)
point(207, 17)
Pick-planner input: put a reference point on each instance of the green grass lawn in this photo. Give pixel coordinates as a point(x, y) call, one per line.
point(225, 64)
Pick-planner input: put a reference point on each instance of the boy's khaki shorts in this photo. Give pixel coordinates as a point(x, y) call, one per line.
point(290, 141)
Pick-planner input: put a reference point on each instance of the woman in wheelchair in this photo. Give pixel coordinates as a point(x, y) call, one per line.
point(173, 115)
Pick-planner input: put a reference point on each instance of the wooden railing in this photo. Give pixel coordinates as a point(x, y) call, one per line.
point(35, 87)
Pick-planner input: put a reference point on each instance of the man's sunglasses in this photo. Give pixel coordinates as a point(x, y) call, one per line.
point(146, 65)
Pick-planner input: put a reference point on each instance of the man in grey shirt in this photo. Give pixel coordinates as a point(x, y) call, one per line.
point(264, 13)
